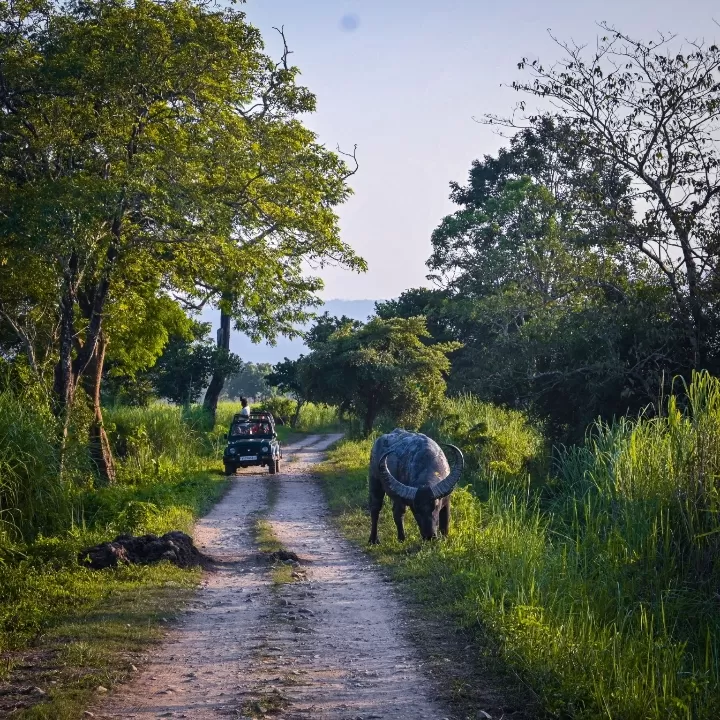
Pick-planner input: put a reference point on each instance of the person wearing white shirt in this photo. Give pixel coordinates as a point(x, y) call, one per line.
point(245, 412)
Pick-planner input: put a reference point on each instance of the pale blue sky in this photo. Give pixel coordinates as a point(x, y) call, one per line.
point(405, 85)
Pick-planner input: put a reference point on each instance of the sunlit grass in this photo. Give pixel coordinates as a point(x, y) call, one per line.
point(317, 418)
point(103, 624)
point(599, 587)
point(33, 496)
point(85, 622)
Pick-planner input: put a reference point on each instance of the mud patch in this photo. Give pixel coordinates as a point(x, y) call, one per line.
point(175, 547)
point(266, 702)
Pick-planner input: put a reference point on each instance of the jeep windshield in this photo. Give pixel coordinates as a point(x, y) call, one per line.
point(250, 429)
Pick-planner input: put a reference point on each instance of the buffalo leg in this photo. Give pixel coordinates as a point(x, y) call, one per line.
point(398, 512)
point(445, 518)
point(376, 503)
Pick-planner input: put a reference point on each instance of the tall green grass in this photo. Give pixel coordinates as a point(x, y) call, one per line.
point(156, 442)
point(167, 477)
point(33, 496)
point(318, 418)
point(314, 417)
point(495, 441)
point(599, 585)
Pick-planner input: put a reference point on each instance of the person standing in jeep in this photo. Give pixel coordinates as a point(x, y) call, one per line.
point(245, 412)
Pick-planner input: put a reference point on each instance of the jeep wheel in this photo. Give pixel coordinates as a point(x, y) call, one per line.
point(272, 466)
point(230, 469)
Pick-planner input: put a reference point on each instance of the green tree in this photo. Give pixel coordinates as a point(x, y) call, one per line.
point(184, 369)
point(249, 381)
point(286, 376)
point(324, 326)
point(433, 303)
point(382, 367)
point(554, 312)
point(155, 144)
point(27, 311)
point(141, 328)
point(650, 109)
point(286, 379)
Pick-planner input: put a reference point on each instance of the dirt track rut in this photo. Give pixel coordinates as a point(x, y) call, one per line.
point(330, 645)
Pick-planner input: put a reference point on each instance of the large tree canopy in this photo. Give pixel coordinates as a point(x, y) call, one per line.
point(554, 311)
point(148, 148)
point(652, 110)
point(288, 377)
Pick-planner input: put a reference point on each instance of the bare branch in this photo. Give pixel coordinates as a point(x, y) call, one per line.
point(353, 157)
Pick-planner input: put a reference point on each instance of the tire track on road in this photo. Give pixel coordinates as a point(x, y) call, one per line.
point(331, 645)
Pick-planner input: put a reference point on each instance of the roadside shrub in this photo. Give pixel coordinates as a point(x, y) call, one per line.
point(154, 443)
point(315, 417)
point(140, 518)
point(495, 441)
point(280, 407)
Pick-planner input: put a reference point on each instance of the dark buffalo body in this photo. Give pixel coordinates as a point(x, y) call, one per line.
point(412, 469)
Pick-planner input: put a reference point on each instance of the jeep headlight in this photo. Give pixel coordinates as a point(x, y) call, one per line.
point(265, 448)
point(232, 450)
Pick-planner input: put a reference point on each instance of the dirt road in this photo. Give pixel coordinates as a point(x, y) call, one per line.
point(329, 645)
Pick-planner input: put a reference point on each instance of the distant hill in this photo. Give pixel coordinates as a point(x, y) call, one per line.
point(250, 352)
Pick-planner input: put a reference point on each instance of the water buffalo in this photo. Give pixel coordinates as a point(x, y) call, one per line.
point(412, 469)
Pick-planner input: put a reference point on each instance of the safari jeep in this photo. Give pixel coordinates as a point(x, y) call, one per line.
point(252, 441)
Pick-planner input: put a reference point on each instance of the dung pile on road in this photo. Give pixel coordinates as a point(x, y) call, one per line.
point(175, 547)
point(283, 556)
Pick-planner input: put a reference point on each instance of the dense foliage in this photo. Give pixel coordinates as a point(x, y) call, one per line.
point(185, 367)
point(599, 584)
point(152, 154)
point(650, 110)
point(543, 276)
point(382, 368)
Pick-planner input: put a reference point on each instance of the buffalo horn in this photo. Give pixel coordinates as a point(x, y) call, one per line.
point(445, 487)
point(391, 485)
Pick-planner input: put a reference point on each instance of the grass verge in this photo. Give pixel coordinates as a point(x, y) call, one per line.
point(268, 543)
point(65, 630)
point(597, 586)
point(461, 656)
point(83, 653)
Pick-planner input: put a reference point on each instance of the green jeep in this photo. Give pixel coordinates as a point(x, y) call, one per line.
point(252, 441)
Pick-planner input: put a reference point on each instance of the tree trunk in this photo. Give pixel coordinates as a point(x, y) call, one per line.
point(296, 417)
point(218, 379)
point(68, 371)
point(63, 385)
point(369, 420)
point(64, 381)
point(100, 450)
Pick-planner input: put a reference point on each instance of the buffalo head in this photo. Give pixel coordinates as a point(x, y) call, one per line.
point(425, 501)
